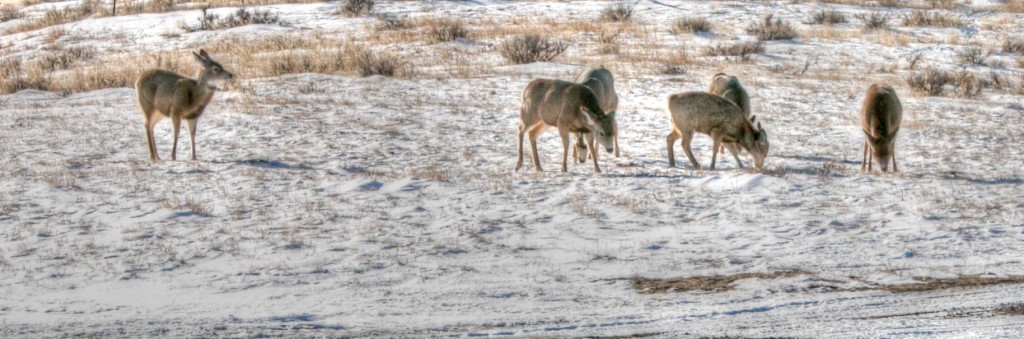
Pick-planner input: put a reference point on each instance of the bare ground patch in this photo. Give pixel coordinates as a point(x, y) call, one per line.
point(722, 283)
point(933, 284)
point(717, 283)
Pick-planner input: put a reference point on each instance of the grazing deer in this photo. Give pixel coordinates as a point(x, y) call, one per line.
point(164, 93)
point(717, 117)
point(880, 119)
point(572, 108)
point(729, 88)
point(602, 83)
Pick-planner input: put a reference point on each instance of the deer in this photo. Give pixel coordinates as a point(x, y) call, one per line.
point(729, 87)
point(162, 93)
point(717, 117)
point(602, 83)
point(880, 118)
point(570, 107)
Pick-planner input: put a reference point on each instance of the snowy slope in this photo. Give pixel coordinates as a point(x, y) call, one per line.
point(343, 206)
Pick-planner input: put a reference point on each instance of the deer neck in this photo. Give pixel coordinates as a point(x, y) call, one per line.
point(206, 88)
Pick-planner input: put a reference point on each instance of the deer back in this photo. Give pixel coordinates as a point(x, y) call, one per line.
point(602, 83)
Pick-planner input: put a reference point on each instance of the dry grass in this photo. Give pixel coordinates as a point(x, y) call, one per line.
point(930, 82)
point(741, 51)
point(874, 20)
point(974, 55)
point(444, 30)
point(772, 29)
point(380, 63)
point(691, 25)
point(9, 12)
point(931, 18)
point(1008, 309)
point(674, 63)
point(353, 8)
point(1013, 45)
point(197, 207)
point(392, 23)
point(270, 56)
point(619, 12)
point(925, 284)
point(607, 42)
point(827, 17)
point(87, 9)
point(966, 84)
point(241, 17)
point(527, 48)
point(717, 283)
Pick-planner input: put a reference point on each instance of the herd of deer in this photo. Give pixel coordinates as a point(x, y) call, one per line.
point(584, 110)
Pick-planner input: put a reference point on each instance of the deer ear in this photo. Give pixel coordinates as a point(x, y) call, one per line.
point(752, 118)
point(202, 52)
point(610, 115)
point(759, 127)
point(872, 139)
point(202, 60)
point(895, 131)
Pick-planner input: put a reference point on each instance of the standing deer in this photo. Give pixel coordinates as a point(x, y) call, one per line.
point(880, 119)
point(729, 88)
point(717, 117)
point(602, 83)
point(163, 93)
point(572, 108)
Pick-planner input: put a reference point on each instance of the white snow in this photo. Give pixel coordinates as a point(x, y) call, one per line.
point(346, 206)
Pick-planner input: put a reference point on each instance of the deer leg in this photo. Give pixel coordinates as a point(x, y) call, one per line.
point(581, 147)
point(717, 144)
point(519, 141)
point(192, 135)
point(864, 158)
point(615, 137)
point(534, 133)
point(894, 170)
point(735, 153)
point(150, 139)
point(687, 138)
point(594, 152)
point(564, 133)
point(670, 140)
point(176, 121)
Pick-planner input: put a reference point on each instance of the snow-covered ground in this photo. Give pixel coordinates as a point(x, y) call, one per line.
point(329, 205)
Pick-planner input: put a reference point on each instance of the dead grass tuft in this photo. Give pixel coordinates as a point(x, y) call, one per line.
point(379, 63)
point(1007, 309)
point(242, 17)
point(717, 283)
point(769, 29)
point(445, 30)
point(1013, 45)
point(197, 207)
point(353, 8)
point(930, 82)
point(827, 17)
point(619, 12)
point(674, 63)
point(691, 25)
point(874, 20)
point(9, 12)
point(931, 18)
point(392, 23)
point(974, 55)
point(741, 51)
point(966, 84)
point(527, 48)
